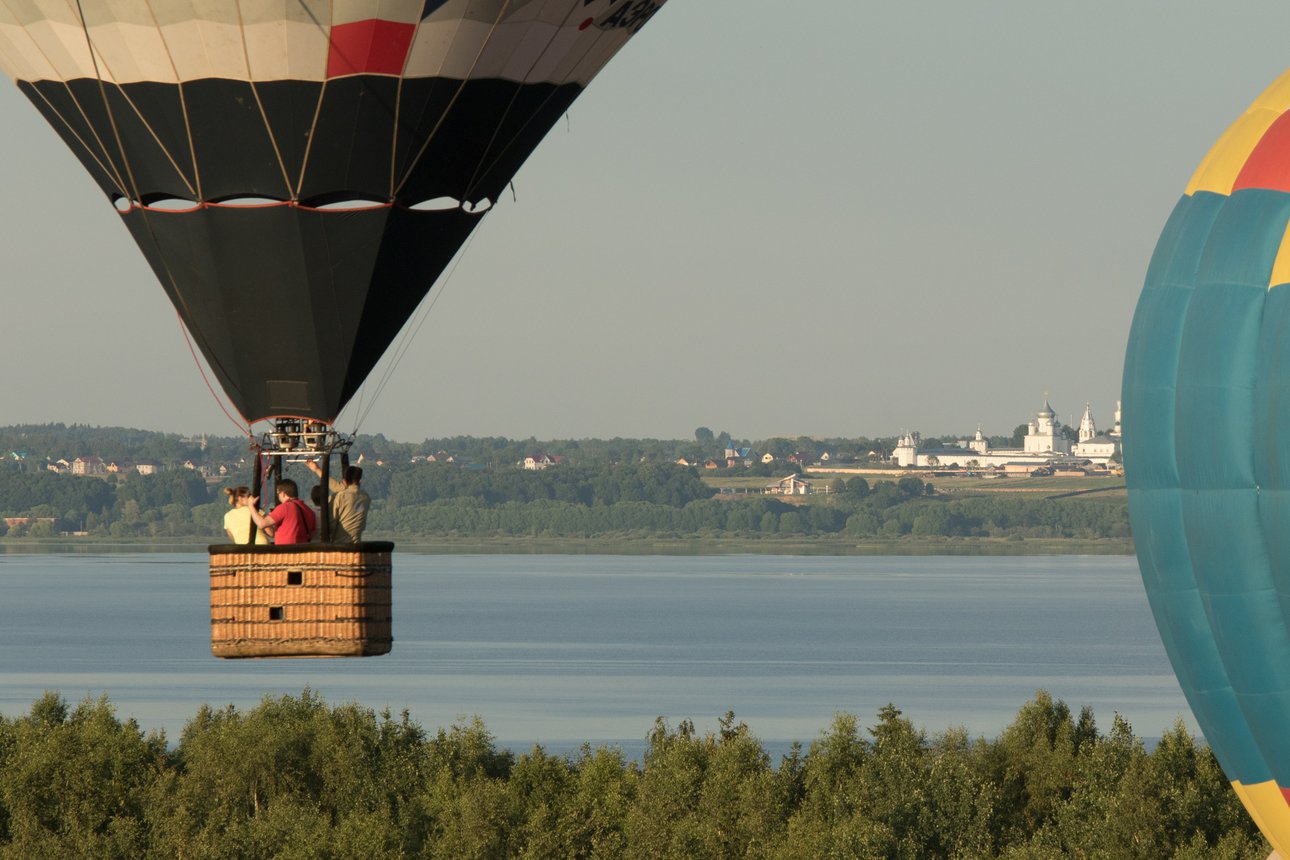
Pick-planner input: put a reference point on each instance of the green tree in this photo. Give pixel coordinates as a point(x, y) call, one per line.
point(857, 487)
point(885, 494)
point(153, 492)
point(73, 782)
point(43, 529)
point(290, 771)
point(596, 813)
point(296, 778)
point(910, 487)
point(932, 520)
point(863, 523)
point(1033, 762)
point(709, 796)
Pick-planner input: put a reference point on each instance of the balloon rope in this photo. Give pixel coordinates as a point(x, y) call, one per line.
point(157, 140)
point(409, 333)
point(196, 186)
point(243, 426)
point(139, 114)
point(483, 156)
point(268, 128)
point(412, 166)
point(134, 188)
point(398, 105)
point(107, 106)
point(71, 94)
point(549, 96)
point(109, 168)
point(322, 91)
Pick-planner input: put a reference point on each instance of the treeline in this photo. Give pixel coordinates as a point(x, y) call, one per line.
point(888, 509)
point(763, 516)
point(45, 442)
point(605, 488)
point(295, 777)
point(631, 500)
point(499, 450)
point(656, 484)
point(170, 504)
point(54, 441)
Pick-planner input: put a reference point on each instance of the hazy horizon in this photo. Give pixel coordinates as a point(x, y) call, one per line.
point(952, 434)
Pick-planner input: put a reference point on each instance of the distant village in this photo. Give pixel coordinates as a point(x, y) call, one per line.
point(91, 466)
point(88, 465)
point(1047, 449)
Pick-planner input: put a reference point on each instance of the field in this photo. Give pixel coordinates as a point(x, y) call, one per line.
point(1098, 486)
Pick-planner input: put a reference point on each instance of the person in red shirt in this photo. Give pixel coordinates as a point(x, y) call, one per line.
point(292, 520)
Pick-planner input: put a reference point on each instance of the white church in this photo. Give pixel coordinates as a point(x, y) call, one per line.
point(1043, 444)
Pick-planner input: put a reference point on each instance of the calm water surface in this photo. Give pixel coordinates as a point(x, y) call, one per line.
point(563, 649)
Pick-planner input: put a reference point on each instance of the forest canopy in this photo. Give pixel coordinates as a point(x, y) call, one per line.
point(296, 777)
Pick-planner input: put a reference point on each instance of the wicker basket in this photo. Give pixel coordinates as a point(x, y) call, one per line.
point(306, 600)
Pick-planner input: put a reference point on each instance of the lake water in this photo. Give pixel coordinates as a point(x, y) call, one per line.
point(561, 649)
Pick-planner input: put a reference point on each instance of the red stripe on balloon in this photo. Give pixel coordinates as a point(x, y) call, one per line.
point(1269, 164)
point(371, 47)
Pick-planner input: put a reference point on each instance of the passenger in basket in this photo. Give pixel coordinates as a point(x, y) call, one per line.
point(349, 505)
point(237, 522)
point(292, 520)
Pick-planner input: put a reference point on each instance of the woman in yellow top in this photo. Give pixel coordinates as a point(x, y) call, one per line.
point(237, 522)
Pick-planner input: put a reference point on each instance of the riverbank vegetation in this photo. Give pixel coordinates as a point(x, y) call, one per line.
point(296, 777)
point(633, 503)
point(599, 499)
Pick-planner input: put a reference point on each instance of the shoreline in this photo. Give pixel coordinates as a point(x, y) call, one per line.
point(510, 545)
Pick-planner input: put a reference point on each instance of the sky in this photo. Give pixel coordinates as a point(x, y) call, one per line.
point(830, 219)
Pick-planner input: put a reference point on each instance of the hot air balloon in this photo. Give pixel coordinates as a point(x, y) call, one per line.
point(298, 173)
point(1207, 456)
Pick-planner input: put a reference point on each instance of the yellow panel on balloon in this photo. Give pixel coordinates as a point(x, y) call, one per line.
point(1281, 265)
point(1267, 806)
point(1218, 171)
point(1223, 163)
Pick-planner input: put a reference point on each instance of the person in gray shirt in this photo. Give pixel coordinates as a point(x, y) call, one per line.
point(349, 505)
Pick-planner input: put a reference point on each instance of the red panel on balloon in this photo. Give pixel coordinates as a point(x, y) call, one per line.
point(1269, 164)
point(372, 47)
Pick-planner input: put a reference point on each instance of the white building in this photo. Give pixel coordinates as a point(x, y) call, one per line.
point(1043, 443)
point(906, 451)
point(538, 462)
point(1044, 435)
point(1098, 447)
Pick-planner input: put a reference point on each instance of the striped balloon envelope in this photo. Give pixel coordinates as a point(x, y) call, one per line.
point(299, 172)
point(1207, 451)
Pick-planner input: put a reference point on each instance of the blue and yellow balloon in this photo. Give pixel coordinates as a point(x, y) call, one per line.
point(1207, 451)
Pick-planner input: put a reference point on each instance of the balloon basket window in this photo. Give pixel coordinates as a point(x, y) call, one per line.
point(305, 600)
